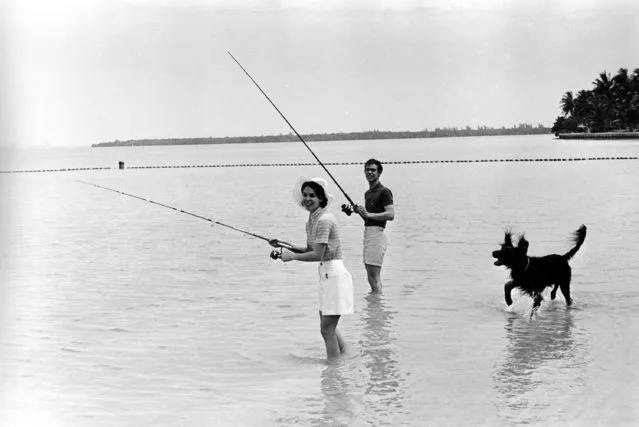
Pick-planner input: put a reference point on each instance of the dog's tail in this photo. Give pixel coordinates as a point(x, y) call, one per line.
point(578, 238)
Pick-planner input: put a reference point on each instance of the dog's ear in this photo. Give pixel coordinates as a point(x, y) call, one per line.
point(523, 244)
point(508, 235)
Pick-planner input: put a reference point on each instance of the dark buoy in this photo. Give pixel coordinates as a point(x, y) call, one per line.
point(121, 164)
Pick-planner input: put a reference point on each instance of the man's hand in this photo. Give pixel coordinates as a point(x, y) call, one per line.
point(361, 210)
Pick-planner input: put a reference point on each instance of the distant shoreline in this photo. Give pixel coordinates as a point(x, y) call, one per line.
point(351, 136)
point(599, 135)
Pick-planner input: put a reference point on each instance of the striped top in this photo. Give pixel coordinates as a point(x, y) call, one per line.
point(322, 228)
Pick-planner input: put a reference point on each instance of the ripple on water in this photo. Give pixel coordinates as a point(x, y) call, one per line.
point(160, 320)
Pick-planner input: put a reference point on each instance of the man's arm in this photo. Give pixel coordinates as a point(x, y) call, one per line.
point(387, 215)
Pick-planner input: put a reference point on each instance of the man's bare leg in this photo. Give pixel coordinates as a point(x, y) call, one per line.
point(374, 273)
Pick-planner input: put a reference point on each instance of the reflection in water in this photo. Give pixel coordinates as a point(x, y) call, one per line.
point(364, 388)
point(338, 395)
point(533, 348)
point(383, 389)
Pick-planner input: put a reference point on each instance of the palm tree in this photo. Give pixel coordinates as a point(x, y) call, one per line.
point(584, 108)
point(603, 84)
point(605, 107)
point(567, 104)
point(633, 103)
point(613, 103)
point(620, 98)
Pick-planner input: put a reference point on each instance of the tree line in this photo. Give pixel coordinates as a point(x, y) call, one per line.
point(611, 105)
point(521, 129)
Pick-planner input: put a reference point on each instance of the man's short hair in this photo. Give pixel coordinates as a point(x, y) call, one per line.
point(375, 162)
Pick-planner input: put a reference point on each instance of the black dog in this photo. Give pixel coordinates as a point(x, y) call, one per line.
point(533, 274)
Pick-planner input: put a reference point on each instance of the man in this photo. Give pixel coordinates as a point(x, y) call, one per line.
point(377, 210)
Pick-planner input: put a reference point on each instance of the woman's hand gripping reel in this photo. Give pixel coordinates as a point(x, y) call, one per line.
point(275, 254)
point(278, 244)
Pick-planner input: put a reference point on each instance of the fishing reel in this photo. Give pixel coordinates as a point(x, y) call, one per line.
point(348, 209)
point(275, 254)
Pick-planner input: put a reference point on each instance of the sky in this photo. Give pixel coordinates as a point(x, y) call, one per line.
point(76, 73)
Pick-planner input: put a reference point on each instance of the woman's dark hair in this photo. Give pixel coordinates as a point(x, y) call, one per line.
point(319, 192)
point(375, 162)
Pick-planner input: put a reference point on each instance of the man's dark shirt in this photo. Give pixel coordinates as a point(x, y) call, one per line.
point(377, 198)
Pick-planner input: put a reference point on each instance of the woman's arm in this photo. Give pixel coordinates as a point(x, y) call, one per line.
point(317, 254)
point(277, 243)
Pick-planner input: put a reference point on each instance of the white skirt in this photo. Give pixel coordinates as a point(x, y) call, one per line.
point(335, 288)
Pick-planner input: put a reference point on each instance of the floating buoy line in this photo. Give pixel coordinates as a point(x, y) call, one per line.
point(386, 162)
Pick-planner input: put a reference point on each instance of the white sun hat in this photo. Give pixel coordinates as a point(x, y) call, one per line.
point(297, 190)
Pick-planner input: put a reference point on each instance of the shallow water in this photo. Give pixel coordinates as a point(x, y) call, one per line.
point(122, 313)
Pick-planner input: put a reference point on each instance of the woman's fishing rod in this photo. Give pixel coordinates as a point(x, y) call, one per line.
point(279, 242)
point(345, 208)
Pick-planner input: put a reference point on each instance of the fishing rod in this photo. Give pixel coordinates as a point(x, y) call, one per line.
point(274, 254)
point(347, 209)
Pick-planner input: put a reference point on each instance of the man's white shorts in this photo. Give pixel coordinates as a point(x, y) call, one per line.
point(375, 242)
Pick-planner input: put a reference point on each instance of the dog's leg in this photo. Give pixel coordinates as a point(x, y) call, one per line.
point(553, 293)
point(564, 285)
point(508, 287)
point(538, 300)
point(536, 304)
point(565, 289)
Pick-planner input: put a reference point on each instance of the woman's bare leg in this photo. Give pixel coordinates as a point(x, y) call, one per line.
point(328, 326)
point(340, 342)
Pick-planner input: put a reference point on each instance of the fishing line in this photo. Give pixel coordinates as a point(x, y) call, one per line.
point(296, 133)
point(280, 243)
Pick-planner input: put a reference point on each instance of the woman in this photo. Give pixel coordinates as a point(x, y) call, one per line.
point(323, 245)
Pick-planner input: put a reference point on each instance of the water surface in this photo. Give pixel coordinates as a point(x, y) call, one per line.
point(121, 313)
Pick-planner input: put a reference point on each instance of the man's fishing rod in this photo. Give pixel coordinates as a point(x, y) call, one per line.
point(273, 254)
point(347, 209)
